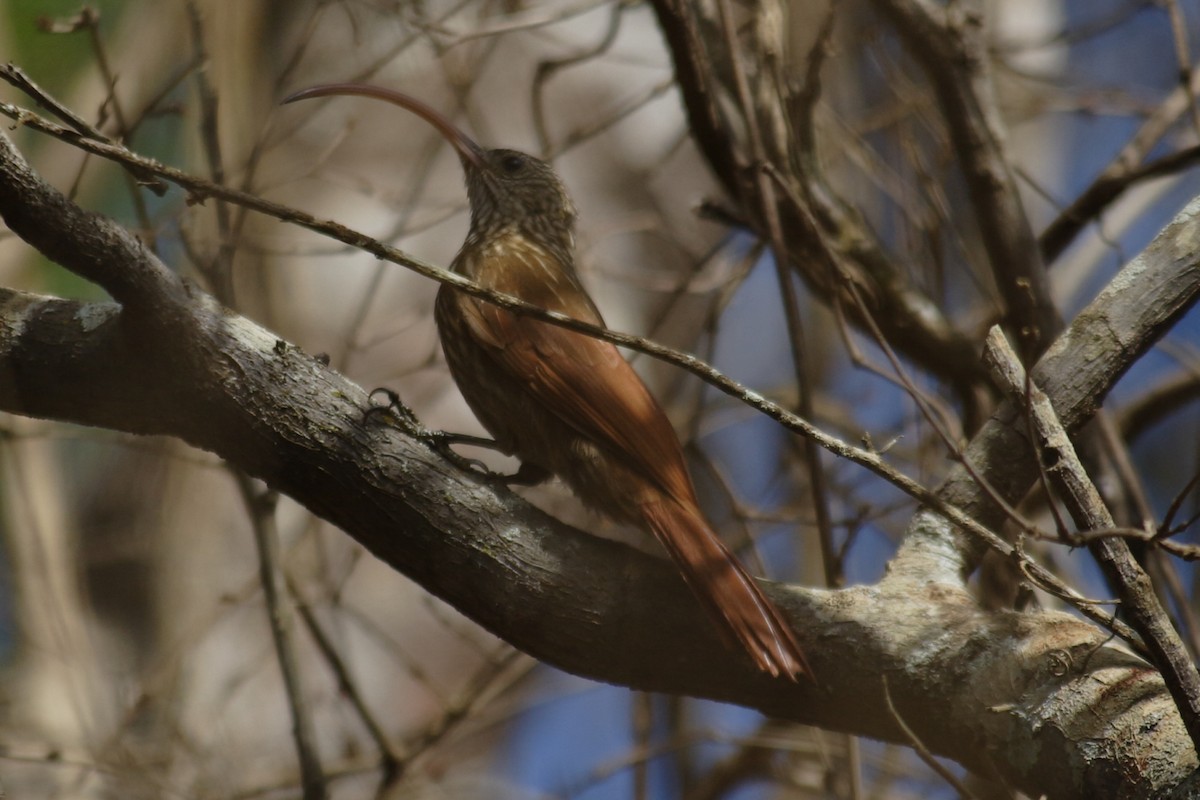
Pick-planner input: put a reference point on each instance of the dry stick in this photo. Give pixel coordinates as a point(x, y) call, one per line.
point(199, 189)
point(1121, 173)
point(389, 753)
point(219, 270)
point(779, 253)
point(712, 315)
point(351, 339)
point(1104, 191)
point(89, 19)
point(1165, 528)
point(921, 750)
point(15, 76)
point(582, 134)
point(1179, 34)
point(548, 68)
point(1167, 577)
point(1087, 509)
point(1158, 403)
point(948, 42)
point(1187, 552)
point(253, 159)
point(261, 507)
point(1162, 569)
point(769, 208)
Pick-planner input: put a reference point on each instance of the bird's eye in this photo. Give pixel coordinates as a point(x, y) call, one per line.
point(512, 163)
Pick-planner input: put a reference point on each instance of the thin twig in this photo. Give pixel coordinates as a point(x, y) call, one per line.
point(1180, 31)
point(1122, 172)
point(388, 752)
point(548, 69)
point(920, 749)
point(14, 75)
point(90, 21)
point(261, 509)
point(769, 209)
point(219, 269)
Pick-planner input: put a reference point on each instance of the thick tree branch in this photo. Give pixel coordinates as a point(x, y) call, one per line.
point(1070, 479)
point(948, 43)
point(912, 321)
point(1139, 305)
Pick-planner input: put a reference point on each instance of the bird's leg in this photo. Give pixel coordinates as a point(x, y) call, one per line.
point(527, 474)
point(440, 441)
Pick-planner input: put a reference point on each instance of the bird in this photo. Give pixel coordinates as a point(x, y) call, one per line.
point(567, 403)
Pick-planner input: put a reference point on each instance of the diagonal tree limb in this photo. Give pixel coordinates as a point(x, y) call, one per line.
point(948, 42)
point(1087, 508)
point(913, 322)
point(1123, 171)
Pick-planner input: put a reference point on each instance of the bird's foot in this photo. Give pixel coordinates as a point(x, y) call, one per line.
point(441, 441)
point(403, 418)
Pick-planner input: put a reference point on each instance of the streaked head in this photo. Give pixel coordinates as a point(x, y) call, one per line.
point(506, 188)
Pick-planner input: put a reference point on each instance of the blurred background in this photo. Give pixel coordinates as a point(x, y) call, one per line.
point(133, 635)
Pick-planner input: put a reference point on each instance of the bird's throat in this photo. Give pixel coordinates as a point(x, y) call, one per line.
point(510, 261)
point(515, 264)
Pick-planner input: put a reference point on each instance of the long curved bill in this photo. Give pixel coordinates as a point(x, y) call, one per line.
point(464, 145)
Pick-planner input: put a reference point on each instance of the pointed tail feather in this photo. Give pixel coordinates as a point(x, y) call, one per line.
point(729, 595)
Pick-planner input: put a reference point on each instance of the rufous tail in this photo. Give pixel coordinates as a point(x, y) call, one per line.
point(729, 595)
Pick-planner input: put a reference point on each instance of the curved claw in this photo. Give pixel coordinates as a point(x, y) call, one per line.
point(405, 414)
point(440, 441)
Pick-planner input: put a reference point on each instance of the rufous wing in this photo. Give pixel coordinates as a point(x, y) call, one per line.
point(585, 382)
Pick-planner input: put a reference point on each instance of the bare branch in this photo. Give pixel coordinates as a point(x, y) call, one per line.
point(913, 322)
point(948, 42)
point(1088, 509)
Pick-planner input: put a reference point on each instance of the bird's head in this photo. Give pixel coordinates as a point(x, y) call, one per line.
point(507, 189)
